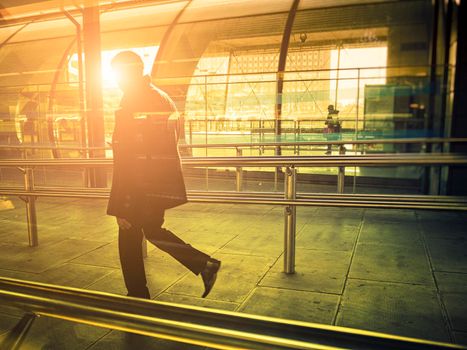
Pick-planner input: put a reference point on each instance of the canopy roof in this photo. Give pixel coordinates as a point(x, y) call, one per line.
point(36, 38)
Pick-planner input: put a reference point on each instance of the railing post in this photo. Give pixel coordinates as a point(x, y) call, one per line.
point(341, 173)
point(290, 221)
point(31, 208)
point(239, 172)
point(144, 247)
point(190, 128)
point(299, 136)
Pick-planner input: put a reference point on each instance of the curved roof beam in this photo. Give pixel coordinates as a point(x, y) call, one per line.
point(281, 67)
point(59, 13)
point(166, 37)
point(13, 34)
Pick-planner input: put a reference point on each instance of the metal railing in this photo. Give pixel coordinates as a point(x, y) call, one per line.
point(188, 324)
point(359, 141)
point(290, 199)
point(261, 146)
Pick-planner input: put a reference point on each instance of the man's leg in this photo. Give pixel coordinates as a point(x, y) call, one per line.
point(131, 260)
point(167, 241)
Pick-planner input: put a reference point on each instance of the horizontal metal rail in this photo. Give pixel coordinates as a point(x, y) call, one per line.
point(418, 140)
point(194, 325)
point(360, 201)
point(431, 159)
point(289, 200)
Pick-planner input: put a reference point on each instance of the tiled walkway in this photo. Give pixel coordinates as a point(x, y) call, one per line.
point(394, 271)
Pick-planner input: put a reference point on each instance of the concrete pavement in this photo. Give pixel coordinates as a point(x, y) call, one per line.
point(394, 271)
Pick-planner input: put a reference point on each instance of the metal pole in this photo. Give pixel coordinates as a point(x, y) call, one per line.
point(190, 126)
point(31, 208)
point(290, 221)
point(337, 73)
point(358, 99)
point(341, 173)
point(239, 172)
point(206, 126)
point(355, 147)
point(295, 136)
point(144, 247)
point(82, 111)
point(299, 137)
point(94, 100)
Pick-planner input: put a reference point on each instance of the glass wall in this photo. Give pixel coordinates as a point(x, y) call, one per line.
point(219, 61)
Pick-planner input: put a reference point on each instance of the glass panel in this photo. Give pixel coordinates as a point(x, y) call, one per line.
point(202, 10)
point(6, 32)
point(141, 17)
point(221, 75)
point(309, 4)
point(18, 67)
point(362, 64)
point(46, 30)
point(33, 55)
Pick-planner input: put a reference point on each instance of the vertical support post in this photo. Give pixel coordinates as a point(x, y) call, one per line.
point(190, 126)
point(31, 208)
point(358, 99)
point(94, 99)
point(341, 173)
point(290, 221)
point(82, 107)
point(299, 136)
point(276, 178)
point(206, 126)
point(144, 247)
point(206, 111)
point(239, 173)
point(295, 136)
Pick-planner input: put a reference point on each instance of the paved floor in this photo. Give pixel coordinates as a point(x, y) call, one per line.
point(394, 271)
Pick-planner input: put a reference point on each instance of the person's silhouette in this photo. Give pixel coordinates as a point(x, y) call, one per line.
point(147, 177)
point(333, 127)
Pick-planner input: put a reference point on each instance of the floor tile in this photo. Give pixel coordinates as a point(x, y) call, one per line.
point(456, 306)
point(197, 301)
point(448, 255)
point(394, 308)
point(391, 263)
point(327, 237)
point(399, 233)
point(292, 304)
point(43, 257)
point(315, 270)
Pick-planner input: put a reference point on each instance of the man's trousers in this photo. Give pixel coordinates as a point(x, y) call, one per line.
point(131, 256)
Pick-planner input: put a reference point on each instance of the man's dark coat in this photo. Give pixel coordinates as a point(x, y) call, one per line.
point(147, 173)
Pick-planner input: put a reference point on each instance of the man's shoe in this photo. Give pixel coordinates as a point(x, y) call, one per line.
point(143, 294)
point(209, 275)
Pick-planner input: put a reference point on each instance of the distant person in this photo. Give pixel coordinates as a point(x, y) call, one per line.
point(147, 178)
point(333, 127)
point(30, 111)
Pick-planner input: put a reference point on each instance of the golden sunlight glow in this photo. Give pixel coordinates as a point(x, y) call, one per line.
point(109, 79)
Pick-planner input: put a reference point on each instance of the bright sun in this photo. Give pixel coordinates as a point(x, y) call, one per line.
point(109, 79)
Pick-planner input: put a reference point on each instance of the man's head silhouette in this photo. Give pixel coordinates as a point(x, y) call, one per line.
point(128, 67)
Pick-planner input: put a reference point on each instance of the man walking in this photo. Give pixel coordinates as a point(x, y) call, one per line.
point(147, 178)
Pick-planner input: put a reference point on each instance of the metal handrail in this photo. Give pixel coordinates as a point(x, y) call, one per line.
point(303, 195)
point(272, 198)
point(389, 159)
point(190, 324)
point(290, 200)
point(414, 140)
